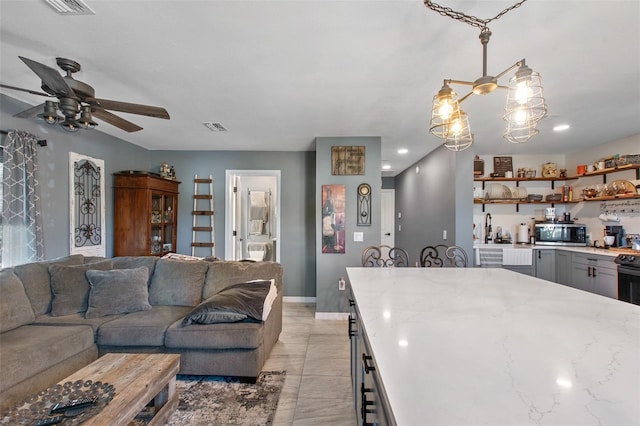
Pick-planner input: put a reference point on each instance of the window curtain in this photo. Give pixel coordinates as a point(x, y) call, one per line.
point(21, 216)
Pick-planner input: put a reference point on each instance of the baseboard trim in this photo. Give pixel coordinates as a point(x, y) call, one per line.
point(295, 299)
point(332, 315)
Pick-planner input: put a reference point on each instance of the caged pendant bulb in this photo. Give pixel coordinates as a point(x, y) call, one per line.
point(525, 105)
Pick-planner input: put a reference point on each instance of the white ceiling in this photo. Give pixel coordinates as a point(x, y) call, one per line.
point(277, 74)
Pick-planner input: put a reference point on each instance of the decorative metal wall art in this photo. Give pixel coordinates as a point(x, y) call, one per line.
point(364, 205)
point(347, 160)
point(333, 219)
point(87, 205)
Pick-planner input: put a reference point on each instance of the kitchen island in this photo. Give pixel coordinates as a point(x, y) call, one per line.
point(489, 346)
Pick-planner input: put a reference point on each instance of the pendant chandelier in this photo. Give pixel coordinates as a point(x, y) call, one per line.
point(525, 105)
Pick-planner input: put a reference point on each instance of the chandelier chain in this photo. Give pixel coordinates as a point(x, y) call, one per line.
point(469, 19)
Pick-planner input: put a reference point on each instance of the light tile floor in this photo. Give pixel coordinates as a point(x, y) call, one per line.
point(315, 354)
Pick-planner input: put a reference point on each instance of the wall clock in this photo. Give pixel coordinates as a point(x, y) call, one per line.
point(364, 205)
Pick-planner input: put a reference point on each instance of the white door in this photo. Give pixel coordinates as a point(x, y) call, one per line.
point(387, 226)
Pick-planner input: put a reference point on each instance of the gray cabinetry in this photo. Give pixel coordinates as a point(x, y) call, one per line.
point(353, 349)
point(371, 405)
point(595, 274)
point(563, 267)
point(544, 262)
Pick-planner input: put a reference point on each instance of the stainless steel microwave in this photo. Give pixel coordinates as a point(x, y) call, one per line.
point(561, 234)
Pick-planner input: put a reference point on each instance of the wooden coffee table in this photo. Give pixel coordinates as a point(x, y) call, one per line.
point(138, 379)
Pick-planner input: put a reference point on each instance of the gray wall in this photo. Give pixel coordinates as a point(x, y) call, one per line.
point(53, 170)
point(330, 266)
point(297, 203)
point(389, 182)
point(437, 197)
point(297, 242)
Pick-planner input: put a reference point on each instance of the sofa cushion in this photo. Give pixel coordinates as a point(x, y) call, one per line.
point(118, 291)
point(143, 328)
point(39, 347)
point(70, 287)
point(235, 303)
point(36, 280)
point(177, 282)
point(75, 319)
point(223, 273)
point(236, 335)
point(131, 262)
point(15, 308)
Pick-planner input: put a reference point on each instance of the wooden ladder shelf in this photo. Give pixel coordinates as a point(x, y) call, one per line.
point(202, 215)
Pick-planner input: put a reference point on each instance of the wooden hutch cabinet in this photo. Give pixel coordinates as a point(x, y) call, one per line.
point(146, 214)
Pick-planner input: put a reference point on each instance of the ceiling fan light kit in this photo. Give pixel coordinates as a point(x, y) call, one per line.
point(76, 97)
point(525, 105)
point(50, 113)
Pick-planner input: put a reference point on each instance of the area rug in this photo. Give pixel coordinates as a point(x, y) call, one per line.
point(216, 400)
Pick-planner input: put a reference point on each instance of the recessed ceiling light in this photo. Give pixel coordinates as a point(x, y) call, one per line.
point(561, 127)
point(70, 7)
point(403, 151)
point(214, 127)
point(386, 167)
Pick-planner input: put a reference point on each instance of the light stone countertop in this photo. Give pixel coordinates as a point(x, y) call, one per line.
point(575, 249)
point(488, 346)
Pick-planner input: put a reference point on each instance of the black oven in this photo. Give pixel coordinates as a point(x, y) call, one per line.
point(629, 278)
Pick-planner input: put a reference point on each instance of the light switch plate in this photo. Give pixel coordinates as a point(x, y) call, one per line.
point(358, 237)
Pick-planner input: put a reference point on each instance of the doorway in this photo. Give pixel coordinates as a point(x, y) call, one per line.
point(252, 219)
point(387, 216)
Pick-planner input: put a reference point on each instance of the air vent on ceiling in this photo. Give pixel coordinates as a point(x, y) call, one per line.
point(214, 127)
point(70, 7)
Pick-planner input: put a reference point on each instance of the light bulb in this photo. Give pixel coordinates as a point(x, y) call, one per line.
point(520, 116)
point(523, 92)
point(49, 119)
point(456, 127)
point(445, 109)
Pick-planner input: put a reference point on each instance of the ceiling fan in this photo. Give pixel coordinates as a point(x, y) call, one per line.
point(76, 97)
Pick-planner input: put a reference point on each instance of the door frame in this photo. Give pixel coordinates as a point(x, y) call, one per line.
point(230, 209)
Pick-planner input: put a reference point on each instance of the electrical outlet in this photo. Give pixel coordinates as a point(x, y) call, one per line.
point(341, 284)
point(444, 234)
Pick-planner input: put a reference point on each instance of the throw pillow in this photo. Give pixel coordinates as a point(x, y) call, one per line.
point(37, 281)
point(234, 303)
point(177, 282)
point(118, 291)
point(15, 308)
point(70, 287)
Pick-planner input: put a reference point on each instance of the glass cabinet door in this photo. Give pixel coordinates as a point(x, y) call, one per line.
point(163, 218)
point(168, 219)
point(156, 224)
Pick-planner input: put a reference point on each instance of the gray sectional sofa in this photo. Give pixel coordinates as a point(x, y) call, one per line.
point(58, 316)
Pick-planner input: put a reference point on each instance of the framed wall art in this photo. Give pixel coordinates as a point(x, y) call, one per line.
point(87, 205)
point(347, 160)
point(333, 219)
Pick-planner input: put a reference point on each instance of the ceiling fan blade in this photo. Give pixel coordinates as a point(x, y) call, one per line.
point(114, 120)
point(50, 78)
point(31, 112)
point(138, 109)
point(33, 92)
